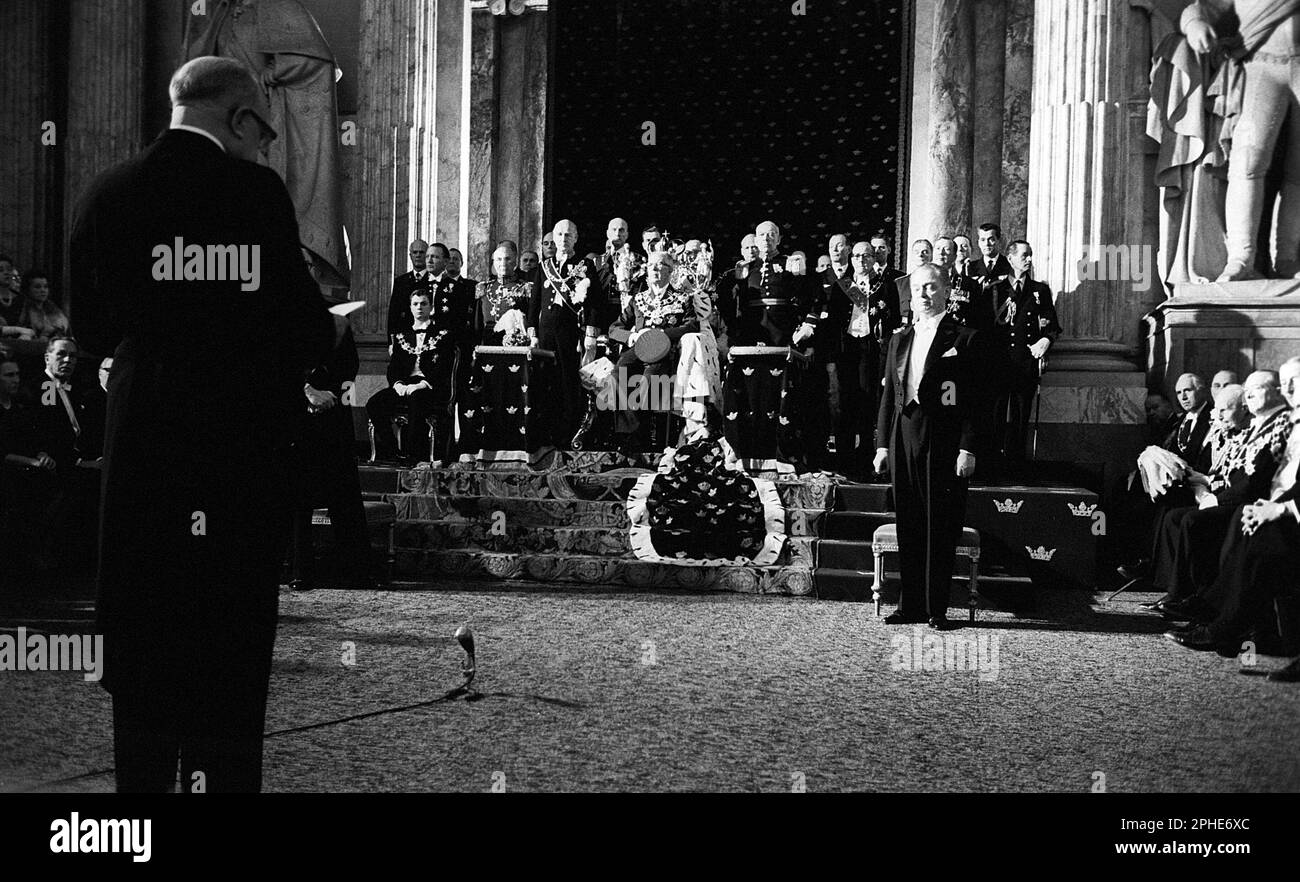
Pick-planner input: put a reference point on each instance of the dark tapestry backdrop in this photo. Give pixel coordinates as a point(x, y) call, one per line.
point(759, 114)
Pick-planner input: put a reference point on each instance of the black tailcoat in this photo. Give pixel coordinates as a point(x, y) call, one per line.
point(203, 401)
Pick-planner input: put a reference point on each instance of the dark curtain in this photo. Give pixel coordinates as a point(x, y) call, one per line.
point(759, 114)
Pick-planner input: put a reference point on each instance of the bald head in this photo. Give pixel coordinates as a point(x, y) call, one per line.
point(929, 285)
point(221, 97)
point(1263, 392)
point(767, 236)
point(1230, 410)
point(616, 232)
point(565, 236)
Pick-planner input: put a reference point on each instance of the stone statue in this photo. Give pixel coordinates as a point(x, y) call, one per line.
point(1261, 96)
point(282, 44)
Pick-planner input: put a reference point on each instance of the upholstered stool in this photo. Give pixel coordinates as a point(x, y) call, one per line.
point(378, 514)
point(885, 540)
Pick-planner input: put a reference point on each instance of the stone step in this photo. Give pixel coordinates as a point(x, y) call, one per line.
point(844, 554)
point(862, 497)
point(530, 512)
point(813, 492)
point(608, 542)
point(854, 525)
point(603, 571)
point(852, 585)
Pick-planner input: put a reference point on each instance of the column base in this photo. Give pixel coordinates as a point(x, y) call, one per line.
point(1092, 417)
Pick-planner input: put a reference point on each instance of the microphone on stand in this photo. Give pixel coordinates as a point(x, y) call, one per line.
point(465, 637)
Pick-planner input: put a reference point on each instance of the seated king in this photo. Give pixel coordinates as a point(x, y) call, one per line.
point(659, 309)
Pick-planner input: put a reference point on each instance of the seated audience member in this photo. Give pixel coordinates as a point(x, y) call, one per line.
point(1259, 560)
point(1164, 464)
point(1188, 538)
point(40, 312)
point(1221, 379)
point(1192, 522)
point(11, 301)
point(658, 306)
point(58, 499)
point(18, 449)
point(823, 263)
point(26, 475)
point(60, 409)
point(421, 375)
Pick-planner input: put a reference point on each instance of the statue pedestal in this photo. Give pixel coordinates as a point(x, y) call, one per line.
point(1236, 326)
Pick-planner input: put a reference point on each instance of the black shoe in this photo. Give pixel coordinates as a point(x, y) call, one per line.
point(1156, 605)
point(1289, 674)
point(942, 623)
point(1201, 639)
point(897, 618)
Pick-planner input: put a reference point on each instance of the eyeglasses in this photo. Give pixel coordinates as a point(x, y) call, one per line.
point(267, 130)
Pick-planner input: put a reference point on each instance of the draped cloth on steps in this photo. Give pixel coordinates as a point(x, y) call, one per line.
point(701, 510)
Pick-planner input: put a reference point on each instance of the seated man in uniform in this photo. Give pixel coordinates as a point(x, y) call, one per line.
point(421, 374)
point(658, 306)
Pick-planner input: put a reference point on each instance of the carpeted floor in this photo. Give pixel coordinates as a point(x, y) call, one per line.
point(586, 691)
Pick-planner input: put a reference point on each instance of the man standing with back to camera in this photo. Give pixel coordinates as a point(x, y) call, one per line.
point(204, 395)
point(927, 431)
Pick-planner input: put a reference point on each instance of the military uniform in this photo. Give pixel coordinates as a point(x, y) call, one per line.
point(561, 325)
point(1023, 314)
point(969, 302)
point(672, 311)
point(771, 303)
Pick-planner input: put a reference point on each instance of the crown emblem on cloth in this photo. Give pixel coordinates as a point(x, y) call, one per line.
point(1009, 507)
point(1082, 510)
point(1040, 553)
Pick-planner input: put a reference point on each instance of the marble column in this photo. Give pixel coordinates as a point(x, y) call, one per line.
point(27, 103)
point(1018, 79)
point(1085, 188)
point(950, 145)
point(1087, 202)
point(449, 87)
point(987, 112)
point(479, 135)
point(105, 94)
point(392, 193)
